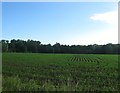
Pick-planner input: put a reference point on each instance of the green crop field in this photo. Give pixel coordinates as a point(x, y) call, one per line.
point(59, 72)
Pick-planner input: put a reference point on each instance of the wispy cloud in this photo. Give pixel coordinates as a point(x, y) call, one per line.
point(101, 35)
point(107, 17)
point(105, 34)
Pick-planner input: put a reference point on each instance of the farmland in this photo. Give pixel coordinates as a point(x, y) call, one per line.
point(59, 72)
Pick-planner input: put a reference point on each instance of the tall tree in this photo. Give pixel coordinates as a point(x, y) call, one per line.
point(4, 45)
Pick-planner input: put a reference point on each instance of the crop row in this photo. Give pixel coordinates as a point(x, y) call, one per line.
point(85, 59)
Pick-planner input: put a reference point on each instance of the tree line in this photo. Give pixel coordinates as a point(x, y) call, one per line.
point(33, 46)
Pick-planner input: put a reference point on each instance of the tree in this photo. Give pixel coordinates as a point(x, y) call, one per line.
point(4, 45)
point(56, 47)
point(32, 46)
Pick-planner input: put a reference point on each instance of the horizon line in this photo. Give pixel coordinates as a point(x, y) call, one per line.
point(60, 43)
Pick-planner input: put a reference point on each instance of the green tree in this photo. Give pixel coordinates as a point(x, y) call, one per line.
point(4, 45)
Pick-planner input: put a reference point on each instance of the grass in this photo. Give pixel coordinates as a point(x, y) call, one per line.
point(59, 72)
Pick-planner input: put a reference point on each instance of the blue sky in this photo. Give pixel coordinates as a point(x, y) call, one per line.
point(67, 23)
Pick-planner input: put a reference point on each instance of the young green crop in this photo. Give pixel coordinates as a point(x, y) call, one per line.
point(59, 72)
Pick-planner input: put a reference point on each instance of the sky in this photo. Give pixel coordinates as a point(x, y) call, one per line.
point(68, 23)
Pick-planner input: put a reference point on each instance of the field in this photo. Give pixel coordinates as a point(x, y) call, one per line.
point(59, 72)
